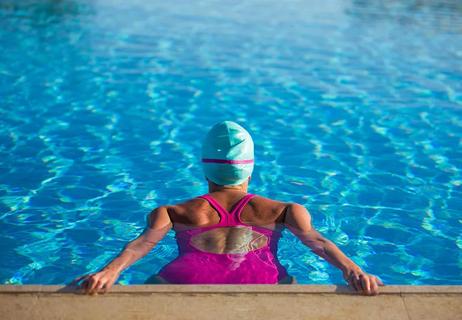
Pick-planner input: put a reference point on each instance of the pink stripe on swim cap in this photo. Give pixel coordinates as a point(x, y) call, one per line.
point(227, 161)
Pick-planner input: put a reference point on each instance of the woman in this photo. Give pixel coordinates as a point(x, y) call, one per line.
point(228, 236)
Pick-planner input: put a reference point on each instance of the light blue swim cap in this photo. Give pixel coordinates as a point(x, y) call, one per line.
point(227, 154)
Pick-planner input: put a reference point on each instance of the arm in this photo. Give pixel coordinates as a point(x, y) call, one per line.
point(158, 224)
point(298, 220)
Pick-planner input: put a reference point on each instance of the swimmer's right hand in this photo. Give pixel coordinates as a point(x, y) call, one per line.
point(99, 282)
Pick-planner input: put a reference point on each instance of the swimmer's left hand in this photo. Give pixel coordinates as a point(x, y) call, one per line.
point(364, 283)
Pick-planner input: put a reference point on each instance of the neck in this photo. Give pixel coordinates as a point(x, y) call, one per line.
point(240, 187)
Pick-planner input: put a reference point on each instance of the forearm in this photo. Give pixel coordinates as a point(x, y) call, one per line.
point(158, 224)
point(129, 255)
point(331, 253)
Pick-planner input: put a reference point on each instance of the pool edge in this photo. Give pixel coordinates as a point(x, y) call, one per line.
point(308, 289)
point(230, 301)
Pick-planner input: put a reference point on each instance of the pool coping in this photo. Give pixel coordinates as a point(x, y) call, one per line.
point(209, 302)
point(272, 289)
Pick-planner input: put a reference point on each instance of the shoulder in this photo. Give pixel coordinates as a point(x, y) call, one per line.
point(187, 205)
point(281, 207)
point(291, 210)
point(158, 217)
point(176, 211)
point(297, 216)
point(296, 208)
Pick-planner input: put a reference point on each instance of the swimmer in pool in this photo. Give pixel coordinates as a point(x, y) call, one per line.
point(227, 236)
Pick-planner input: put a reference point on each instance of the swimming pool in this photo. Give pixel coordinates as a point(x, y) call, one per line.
point(355, 108)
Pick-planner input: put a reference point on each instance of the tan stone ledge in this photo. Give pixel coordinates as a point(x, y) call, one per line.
point(273, 289)
point(212, 302)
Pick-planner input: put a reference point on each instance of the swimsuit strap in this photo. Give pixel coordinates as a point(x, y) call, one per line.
point(227, 217)
point(236, 213)
point(241, 204)
point(221, 211)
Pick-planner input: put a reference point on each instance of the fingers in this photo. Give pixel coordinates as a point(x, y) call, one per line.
point(109, 285)
point(364, 283)
point(98, 287)
point(105, 289)
point(371, 285)
point(353, 281)
point(92, 282)
point(99, 282)
point(374, 286)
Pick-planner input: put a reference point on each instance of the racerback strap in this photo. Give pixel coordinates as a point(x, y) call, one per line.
point(227, 217)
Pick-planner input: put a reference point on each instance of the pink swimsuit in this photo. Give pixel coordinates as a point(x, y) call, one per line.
point(194, 266)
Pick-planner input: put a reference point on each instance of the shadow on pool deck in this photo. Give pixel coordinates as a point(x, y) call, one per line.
point(231, 302)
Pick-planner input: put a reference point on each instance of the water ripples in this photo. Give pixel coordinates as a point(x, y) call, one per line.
point(354, 109)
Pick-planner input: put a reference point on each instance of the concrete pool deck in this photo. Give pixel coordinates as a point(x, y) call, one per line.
point(231, 302)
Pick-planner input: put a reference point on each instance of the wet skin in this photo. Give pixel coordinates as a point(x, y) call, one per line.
point(229, 240)
point(260, 211)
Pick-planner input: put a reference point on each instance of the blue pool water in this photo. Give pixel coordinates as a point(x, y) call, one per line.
point(355, 108)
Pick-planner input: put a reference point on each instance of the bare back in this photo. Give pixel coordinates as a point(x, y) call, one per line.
point(198, 213)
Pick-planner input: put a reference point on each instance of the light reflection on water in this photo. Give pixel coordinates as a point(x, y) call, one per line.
point(354, 107)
